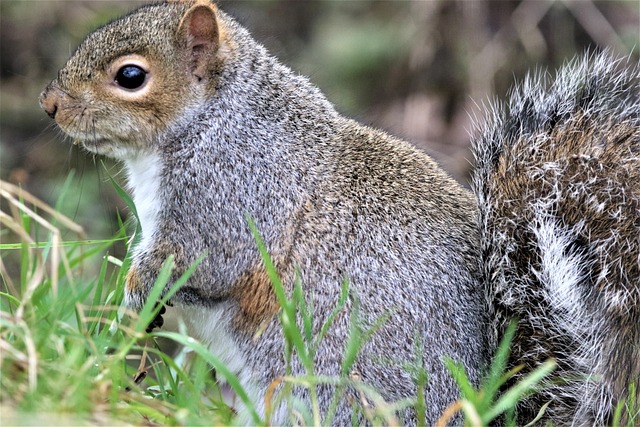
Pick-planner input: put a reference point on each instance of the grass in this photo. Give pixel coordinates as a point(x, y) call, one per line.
point(70, 350)
point(72, 353)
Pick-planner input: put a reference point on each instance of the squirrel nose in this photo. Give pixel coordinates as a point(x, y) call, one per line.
point(49, 101)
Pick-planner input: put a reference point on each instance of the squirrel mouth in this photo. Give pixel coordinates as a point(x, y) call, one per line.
point(89, 141)
point(96, 145)
point(108, 147)
point(92, 143)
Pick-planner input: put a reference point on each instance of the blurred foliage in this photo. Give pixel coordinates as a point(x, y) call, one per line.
point(419, 69)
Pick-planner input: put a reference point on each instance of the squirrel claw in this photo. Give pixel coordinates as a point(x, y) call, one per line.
point(158, 321)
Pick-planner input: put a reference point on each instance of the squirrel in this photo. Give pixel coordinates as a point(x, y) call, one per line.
point(558, 186)
point(211, 127)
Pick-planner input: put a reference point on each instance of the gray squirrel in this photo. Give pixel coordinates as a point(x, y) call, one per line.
point(210, 128)
point(558, 187)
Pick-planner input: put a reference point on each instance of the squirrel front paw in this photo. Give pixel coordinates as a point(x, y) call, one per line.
point(135, 290)
point(157, 321)
point(135, 298)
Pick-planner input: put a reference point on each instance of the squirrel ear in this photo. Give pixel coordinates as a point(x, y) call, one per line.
point(199, 28)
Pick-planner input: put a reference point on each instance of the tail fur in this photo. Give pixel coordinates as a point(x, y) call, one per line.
point(558, 186)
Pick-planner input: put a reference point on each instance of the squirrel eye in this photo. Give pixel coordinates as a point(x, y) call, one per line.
point(131, 77)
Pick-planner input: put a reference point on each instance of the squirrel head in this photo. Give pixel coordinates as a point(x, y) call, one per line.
point(135, 77)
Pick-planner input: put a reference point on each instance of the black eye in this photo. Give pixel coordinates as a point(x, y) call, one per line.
point(131, 77)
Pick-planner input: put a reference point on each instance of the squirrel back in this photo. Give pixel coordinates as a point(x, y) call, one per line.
point(558, 188)
point(211, 128)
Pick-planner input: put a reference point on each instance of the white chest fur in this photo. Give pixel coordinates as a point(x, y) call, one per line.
point(144, 181)
point(211, 326)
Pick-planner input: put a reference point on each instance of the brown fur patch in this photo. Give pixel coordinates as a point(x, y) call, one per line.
point(133, 284)
point(256, 300)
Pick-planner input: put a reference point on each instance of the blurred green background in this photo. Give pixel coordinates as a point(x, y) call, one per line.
point(419, 69)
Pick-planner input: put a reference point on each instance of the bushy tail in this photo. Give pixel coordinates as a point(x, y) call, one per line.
point(558, 187)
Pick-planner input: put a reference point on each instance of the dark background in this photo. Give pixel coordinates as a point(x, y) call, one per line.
point(419, 69)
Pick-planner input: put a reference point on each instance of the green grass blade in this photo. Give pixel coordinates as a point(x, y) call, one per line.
point(515, 393)
point(220, 368)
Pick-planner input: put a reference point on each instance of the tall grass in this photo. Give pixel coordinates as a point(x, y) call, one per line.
point(69, 349)
point(71, 353)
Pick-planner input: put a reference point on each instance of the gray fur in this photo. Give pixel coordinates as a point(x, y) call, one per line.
point(331, 198)
point(558, 186)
